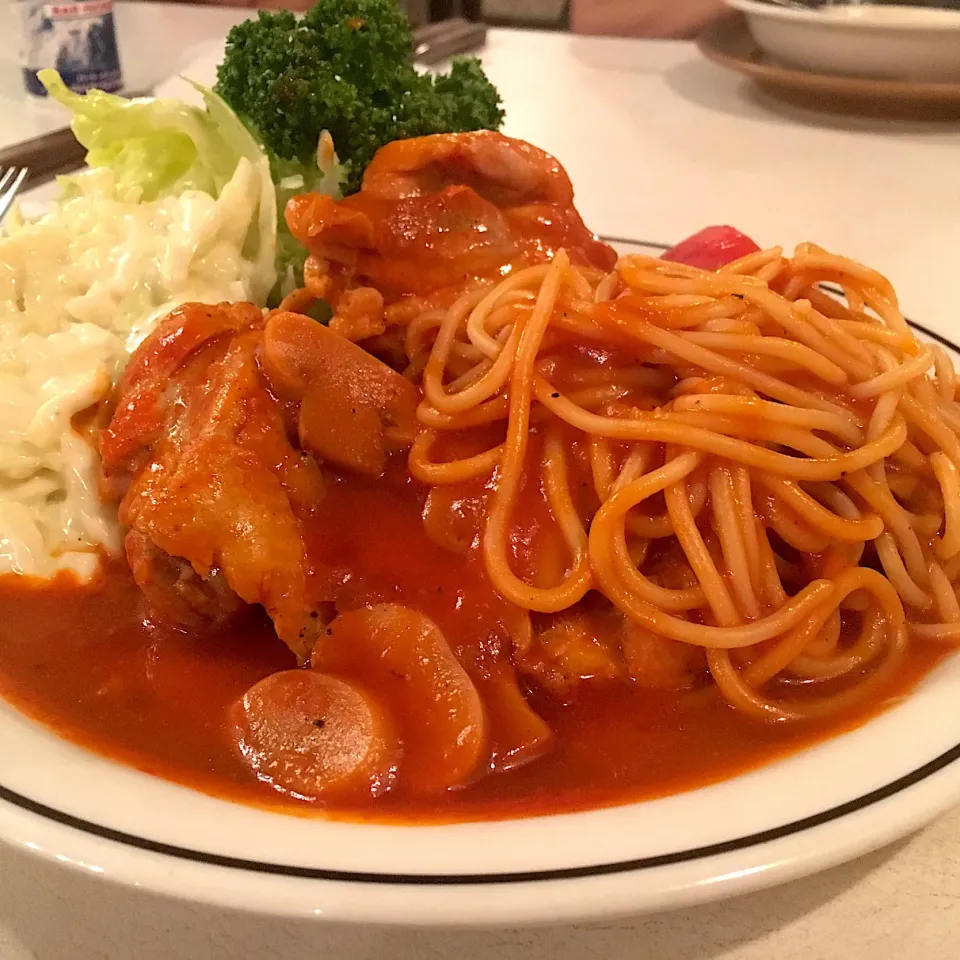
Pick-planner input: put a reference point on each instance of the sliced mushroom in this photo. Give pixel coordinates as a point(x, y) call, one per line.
point(354, 410)
point(519, 733)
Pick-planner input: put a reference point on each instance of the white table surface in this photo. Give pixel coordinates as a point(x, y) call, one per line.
point(685, 144)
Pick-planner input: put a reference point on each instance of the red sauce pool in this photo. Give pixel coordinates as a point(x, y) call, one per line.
point(87, 661)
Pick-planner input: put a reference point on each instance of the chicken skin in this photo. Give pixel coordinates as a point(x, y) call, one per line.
point(435, 215)
point(210, 486)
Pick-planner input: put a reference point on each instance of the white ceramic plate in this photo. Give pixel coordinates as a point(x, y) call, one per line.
point(828, 804)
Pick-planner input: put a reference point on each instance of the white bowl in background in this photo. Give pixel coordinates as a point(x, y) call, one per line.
point(880, 41)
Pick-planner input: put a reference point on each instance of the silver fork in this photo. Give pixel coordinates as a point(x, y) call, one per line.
point(11, 180)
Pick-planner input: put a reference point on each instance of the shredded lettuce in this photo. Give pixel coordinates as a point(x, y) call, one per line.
point(293, 177)
point(163, 147)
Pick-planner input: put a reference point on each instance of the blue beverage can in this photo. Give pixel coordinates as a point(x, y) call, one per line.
point(77, 39)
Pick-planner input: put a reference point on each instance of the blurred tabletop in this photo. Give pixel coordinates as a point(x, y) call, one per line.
point(658, 143)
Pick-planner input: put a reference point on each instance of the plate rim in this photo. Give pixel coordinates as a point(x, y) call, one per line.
point(292, 871)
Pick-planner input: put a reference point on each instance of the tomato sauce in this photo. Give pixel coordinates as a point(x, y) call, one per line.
point(90, 662)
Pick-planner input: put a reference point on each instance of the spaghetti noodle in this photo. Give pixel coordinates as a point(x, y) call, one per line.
point(736, 460)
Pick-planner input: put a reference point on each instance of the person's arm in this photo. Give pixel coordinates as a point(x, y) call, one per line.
point(643, 18)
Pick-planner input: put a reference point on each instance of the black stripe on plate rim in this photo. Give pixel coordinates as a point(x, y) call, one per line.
point(527, 876)
point(486, 879)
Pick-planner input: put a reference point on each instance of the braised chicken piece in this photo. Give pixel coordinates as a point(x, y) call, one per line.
point(209, 484)
point(213, 453)
point(435, 214)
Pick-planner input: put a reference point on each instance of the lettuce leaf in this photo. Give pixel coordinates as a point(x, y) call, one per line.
point(292, 177)
point(163, 147)
point(157, 146)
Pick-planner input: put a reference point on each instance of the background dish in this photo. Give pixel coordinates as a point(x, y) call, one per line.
point(730, 43)
point(888, 42)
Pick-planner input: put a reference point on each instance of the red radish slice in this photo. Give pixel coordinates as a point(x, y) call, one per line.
point(711, 248)
point(404, 657)
point(317, 736)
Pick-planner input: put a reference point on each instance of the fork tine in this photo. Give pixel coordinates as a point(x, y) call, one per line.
point(7, 174)
point(18, 183)
point(10, 192)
